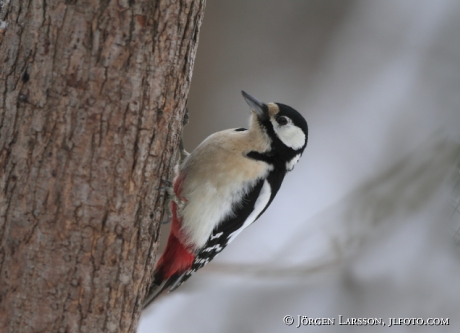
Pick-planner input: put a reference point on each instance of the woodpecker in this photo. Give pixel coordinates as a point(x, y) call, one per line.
point(224, 185)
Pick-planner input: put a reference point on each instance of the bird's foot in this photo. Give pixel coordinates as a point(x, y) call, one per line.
point(169, 196)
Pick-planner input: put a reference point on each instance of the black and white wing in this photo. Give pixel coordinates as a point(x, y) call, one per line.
point(253, 204)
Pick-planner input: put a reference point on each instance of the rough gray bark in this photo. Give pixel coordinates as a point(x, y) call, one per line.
point(92, 93)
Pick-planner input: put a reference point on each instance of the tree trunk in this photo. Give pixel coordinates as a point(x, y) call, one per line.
point(92, 97)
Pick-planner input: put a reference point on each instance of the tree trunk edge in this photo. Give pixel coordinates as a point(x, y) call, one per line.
point(91, 105)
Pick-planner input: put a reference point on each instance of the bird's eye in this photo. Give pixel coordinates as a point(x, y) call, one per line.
point(282, 121)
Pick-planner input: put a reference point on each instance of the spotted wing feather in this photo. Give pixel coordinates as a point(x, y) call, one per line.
point(224, 233)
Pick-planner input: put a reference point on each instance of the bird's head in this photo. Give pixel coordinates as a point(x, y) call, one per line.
point(286, 128)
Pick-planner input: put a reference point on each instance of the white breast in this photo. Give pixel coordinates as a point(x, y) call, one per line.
point(209, 206)
point(216, 176)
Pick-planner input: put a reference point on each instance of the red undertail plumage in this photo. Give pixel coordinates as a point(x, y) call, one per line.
point(177, 257)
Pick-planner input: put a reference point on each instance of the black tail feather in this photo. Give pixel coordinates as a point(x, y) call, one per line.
point(157, 287)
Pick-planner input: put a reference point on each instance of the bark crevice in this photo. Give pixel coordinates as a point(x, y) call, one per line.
point(93, 94)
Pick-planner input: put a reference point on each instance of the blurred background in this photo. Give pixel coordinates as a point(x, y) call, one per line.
point(367, 224)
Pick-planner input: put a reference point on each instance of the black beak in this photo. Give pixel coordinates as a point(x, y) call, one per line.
point(259, 108)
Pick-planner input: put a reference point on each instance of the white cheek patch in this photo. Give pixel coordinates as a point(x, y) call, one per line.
point(289, 134)
point(291, 163)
